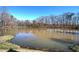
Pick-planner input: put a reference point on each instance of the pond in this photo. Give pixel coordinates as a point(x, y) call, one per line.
point(46, 39)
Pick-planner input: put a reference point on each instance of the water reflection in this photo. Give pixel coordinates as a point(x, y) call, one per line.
point(42, 39)
point(51, 33)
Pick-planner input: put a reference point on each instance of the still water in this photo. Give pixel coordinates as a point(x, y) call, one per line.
point(45, 39)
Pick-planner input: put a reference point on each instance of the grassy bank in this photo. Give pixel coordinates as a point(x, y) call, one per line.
point(6, 38)
point(5, 45)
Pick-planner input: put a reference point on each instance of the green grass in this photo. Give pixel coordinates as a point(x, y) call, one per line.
point(7, 37)
point(7, 46)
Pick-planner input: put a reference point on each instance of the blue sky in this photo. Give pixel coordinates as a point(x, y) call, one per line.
point(33, 12)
